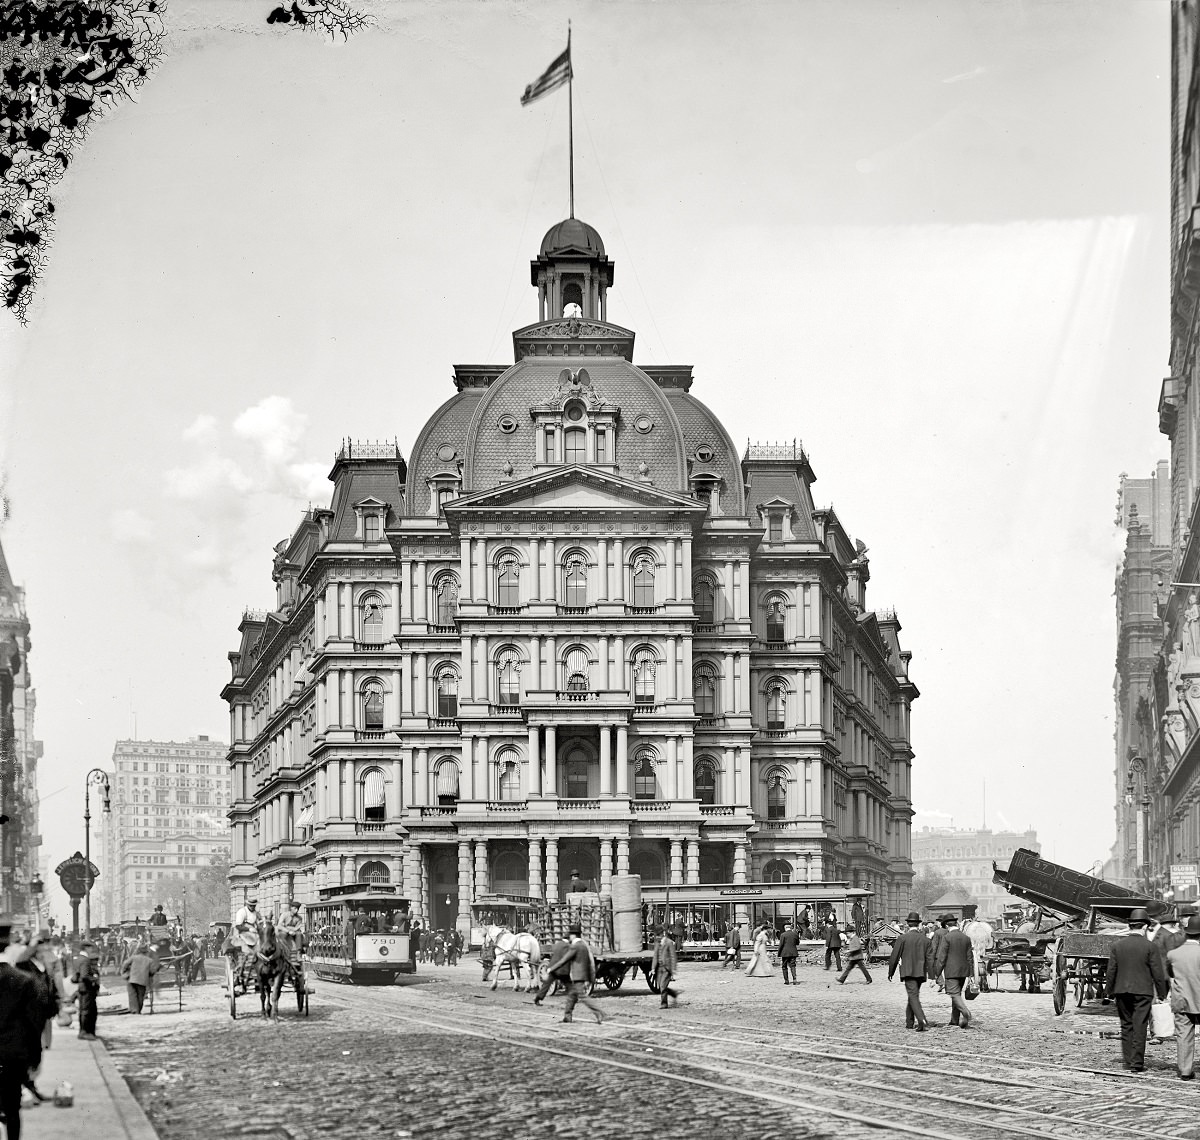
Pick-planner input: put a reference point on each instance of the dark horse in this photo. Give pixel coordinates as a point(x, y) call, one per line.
point(273, 968)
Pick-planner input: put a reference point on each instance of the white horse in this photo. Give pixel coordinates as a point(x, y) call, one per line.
point(515, 951)
point(980, 934)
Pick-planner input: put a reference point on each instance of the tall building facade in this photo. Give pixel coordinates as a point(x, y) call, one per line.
point(576, 633)
point(964, 857)
point(1144, 514)
point(167, 822)
point(1162, 784)
point(20, 751)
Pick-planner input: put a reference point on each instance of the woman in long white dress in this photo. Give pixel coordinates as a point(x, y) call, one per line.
point(760, 962)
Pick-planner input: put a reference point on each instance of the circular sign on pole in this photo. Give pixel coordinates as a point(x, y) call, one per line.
point(77, 875)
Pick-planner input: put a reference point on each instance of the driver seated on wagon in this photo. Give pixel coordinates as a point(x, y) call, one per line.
point(244, 934)
point(290, 931)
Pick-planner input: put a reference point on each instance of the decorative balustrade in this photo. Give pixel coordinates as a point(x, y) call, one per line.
point(436, 812)
point(370, 734)
point(573, 611)
point(711, 721)
point(576, 695)
point(362, 827)
point(505, 611)
point(779, 824)
point(507, 807)
point(373, 646)
point(650, 805)
point(452, 629)
point(444, 722)
point(641, 611)
point(578, 805)
point(504, 710)
point(706, 627)
point(716, 809)
point(775, 733)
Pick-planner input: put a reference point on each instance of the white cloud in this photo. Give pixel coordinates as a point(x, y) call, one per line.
point(203, 429)
point(215, 474)
point(274, 425)
point(131, 526)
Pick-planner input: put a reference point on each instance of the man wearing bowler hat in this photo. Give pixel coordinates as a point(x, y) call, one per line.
point(1183, 968)
point(577, 963)
point(912, 953)
point(1135, 975)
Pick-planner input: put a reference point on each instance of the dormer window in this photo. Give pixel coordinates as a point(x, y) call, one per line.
point(370, 514)
point(575, 446)
point(774, 527)
point(371, 527)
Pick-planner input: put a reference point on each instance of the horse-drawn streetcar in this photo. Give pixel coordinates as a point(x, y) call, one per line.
point(360, 934)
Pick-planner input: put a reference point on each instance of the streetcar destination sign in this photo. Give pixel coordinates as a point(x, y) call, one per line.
point(744, 891)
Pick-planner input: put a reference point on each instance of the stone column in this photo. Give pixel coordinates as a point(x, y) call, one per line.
point(622, 856)
point(552, 870)
point(670, 784)
point(672, 574)
point(622, 760)
point(534, 784)
point(412, 877)
point(602, 653)
point(464, 881)
point(740, 860)
point(421, 684)
point(602, 570)
point(743, 592)
point(621, 681)
point(742, 768)
point(605, 760)
point(535, 868)
point(535, 573)
point(618, 594)
point(676, 863)
point(551, 784)
point(424, 792)
point(551, 571)
point(687, 569)
point(743, 689)
point(331, 610)
point(481, 868)
point(728, 701)
point(693, 861)
point(465, 562)
point(420, 592)
point(687, 785)
point(606, 866)
point(672, 664)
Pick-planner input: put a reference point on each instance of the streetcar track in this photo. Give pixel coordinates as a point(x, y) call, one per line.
point(777, 1098)
point(609, 1050)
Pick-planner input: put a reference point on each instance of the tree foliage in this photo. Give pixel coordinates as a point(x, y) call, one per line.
point(928, 886)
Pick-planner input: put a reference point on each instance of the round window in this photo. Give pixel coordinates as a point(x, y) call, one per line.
point(507, 424)
point(704, 454)
point(574, 412)
point(446, 452)
point(643, 424)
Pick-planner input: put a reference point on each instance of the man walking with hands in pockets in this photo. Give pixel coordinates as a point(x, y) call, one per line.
point(911, 954)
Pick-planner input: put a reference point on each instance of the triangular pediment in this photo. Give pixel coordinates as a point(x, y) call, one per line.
point(573, 489)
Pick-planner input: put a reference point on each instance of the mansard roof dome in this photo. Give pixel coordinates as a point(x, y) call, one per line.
point(572, 234)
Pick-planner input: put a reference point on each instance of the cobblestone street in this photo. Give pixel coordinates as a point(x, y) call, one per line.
point(444, 1056)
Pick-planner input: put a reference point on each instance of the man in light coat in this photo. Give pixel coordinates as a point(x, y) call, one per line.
point(1183, 968)
point(911, 955)
point(139, 971)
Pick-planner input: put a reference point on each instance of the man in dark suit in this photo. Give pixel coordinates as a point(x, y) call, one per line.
point(789, 951)
point(1135, 975)
point(833, 942)
point(911, 954)
point(956, 961)
point(935, 949)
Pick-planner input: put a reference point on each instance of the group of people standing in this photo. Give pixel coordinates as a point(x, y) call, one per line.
point(787, 949)
point(438, 946)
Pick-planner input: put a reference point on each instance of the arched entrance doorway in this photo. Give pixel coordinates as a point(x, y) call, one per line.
point(443, 883)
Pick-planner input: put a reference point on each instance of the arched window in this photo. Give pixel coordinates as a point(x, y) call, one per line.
point(572, 296)
point(373, 796)
point(777, 871)
point(447, 694)
point(644, 665)
point(372, 706)
point(704, 692)
point(576, 666)
point(776, 795)
point(643, 582)
point(508, 776)
point(706, 781)
point(508, 677)
point(371, 618)
point(446, 593)
point(776, 705)
point(649, 866)
point(575, 582)
point(575, 774)
point(374, 871)
point(645, 786)
point(776, 613)
point(446, 782)
point(509, 867)
point(703, 601)
point(575, 445)
point(508, 581)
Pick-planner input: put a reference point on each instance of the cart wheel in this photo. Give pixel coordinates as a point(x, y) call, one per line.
point(650, 979)
point(614, 978)
point(1060, 995)
point(229, 984)
point(1082, 992)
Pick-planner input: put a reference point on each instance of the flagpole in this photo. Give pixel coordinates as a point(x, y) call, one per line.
point(571, 116)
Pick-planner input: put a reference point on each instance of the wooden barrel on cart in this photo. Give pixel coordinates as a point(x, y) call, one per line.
point(627, 913)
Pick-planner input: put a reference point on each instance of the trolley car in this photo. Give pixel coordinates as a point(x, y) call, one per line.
point(359, 933)
point(516, 912)
point(705, 912)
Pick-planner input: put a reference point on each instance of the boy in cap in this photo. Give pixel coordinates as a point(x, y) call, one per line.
point(1135, 975)
point(580, 968)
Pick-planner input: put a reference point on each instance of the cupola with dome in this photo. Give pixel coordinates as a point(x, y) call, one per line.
point(572, 269)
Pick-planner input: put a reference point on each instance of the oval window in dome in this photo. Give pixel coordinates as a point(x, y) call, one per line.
point(574, 412)
point(643, 423)
point(507, 424)
point(704, 454)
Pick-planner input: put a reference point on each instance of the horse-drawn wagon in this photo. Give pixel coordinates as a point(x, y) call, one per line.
point(261, 963)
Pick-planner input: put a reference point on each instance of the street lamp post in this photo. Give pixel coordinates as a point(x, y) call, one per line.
point(99, 778)
point(185, 924)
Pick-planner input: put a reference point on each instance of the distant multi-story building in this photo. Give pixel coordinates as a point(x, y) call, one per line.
point(1144, 513)
point(19, 755)
point(169, 801)
point(964, 856)
point(577, 632)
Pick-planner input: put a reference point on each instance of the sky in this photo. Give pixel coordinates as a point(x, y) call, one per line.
point(928, 240)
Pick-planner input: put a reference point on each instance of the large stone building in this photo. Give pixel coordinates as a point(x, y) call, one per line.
point(964, 856)
point(574, 633)
point(167, 822)
point(1144, 513)
point(19, 755)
